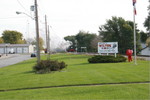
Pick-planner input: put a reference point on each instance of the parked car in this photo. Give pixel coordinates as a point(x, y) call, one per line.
point(11, 51)
point(33, 55)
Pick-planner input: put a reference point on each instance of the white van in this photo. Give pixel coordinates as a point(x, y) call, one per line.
point(11, 51)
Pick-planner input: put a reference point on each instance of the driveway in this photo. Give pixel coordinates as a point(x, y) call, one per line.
point(12, 59)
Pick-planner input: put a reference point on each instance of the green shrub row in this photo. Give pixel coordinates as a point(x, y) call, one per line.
point(106, 59)
point(46, 66)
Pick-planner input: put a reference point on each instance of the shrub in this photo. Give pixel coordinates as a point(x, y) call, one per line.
point(46, 66)
point(106, 59)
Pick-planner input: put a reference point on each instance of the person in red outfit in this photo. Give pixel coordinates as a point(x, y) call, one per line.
point(129, 54)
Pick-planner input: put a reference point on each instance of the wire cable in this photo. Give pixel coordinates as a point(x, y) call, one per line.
point(22, 5)
point(11, 18)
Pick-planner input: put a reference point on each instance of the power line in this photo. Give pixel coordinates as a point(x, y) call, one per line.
point(41, 13)
point(22, 5)
point(12, 17)
point(43, 7)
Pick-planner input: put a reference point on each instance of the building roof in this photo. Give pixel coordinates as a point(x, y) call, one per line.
point(14, 45)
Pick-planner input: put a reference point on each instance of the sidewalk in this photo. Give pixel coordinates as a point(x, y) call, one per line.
point(8, 56)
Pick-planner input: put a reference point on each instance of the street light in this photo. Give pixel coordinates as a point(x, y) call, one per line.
point(36, 29)
point(6, 50)
point(17, 12)
point(7, 44)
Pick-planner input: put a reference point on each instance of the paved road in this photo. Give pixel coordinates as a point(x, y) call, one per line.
point(12, 59)
point(145, 58)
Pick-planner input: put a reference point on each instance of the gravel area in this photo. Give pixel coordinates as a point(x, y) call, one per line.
point(12, 59)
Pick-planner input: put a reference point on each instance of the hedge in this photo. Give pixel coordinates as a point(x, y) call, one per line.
point(106, 59)
point(47, 66)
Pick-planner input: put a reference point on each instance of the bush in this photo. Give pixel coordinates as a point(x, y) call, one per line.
point(106, 59)
point(46, 66)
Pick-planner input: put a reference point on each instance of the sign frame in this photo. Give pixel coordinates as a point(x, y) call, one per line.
point(107, 47)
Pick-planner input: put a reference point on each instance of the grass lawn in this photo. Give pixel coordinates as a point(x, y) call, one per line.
point(79, 71)
point(106, 92)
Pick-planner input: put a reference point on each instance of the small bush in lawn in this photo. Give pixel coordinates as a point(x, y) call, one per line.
point(106, 59)
point(46, 66)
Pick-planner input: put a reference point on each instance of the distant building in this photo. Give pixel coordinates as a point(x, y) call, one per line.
point(16, 48)
point(145, 51)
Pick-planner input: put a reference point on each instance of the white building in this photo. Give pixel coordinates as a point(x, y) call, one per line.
point(16, 48)
point(145, 51)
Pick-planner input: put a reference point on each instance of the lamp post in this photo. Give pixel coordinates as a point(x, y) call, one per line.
point(17, 12)
point(36, 29)
point(7, 44)
point(6, 49)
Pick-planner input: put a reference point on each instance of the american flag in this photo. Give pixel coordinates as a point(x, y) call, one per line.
point(135, 11)
point(134, 1)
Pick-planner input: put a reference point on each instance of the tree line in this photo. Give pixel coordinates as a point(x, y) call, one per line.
point(81, 40)
point(115, 29)
point(15, 37)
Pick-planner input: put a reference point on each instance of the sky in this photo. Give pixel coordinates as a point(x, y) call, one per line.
point(67, 17)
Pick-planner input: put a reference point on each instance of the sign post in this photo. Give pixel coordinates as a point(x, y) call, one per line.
point(108, 47)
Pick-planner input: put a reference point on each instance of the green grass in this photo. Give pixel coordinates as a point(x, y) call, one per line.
point(78, 71)
point(107, 92)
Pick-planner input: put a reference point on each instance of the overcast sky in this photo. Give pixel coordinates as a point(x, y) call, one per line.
point(67, 17)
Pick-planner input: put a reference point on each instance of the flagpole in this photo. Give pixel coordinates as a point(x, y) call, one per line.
point(135, 62)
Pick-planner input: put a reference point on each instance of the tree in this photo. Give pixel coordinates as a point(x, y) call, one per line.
point(147, 25)
point(1, 40)
point(147, 20)
point(21, 41)
point(12, 37)
point(121, 31)
point(41, 43)
point(71, 39)
point(29, 40)
point(148, 42)
point(143, 37)
point(82, 39)
point(94, 43)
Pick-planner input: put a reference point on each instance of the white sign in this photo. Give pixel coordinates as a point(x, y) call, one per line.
point(107, 47)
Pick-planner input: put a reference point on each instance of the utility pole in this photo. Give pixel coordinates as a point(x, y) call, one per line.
point(48, 57)
point(46, 33)
point(149, 19)
point(37, 32)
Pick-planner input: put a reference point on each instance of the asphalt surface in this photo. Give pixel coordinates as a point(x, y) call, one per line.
point(12, 59)
point(145, 58)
